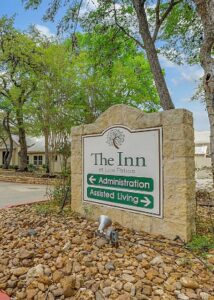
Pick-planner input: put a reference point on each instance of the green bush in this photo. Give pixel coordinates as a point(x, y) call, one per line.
point(13, 167)
point(201, 243)
point(31, 168)
point(61, 192)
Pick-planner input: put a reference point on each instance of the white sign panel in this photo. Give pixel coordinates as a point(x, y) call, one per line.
point(123, 169)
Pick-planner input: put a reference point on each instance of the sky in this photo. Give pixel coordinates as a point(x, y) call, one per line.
point(182, 81)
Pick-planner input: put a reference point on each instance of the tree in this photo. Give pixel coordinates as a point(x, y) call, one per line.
point(118, 11)
point(189, 37)
point(205, 10)
point(183, 26)
point(79, 84)
point(6, 134)
point(19, 61)
point(109, 73)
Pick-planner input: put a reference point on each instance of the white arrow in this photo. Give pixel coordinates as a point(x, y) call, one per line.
point(92, 179)
point(146, 201)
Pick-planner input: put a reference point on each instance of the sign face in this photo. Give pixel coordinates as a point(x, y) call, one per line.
point(123, 169)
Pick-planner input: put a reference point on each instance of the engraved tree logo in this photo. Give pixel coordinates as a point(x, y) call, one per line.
point(115, 138)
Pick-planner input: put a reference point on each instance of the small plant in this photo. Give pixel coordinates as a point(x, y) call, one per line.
point(88, 210)
point(13, 167)
point(46, 208)
point(61, 193)
point(31, 168)
point(201, 243)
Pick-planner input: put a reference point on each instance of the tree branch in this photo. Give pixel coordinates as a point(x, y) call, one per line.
point(124, 30)
point(159, 21)
point(4, 141)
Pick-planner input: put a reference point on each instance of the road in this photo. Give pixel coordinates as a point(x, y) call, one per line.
point(18, 193)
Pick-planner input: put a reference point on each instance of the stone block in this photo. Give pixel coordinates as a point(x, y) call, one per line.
point(76, 145)
point(176, 116)
point(78, 130)
point(178, 171)
point(76, 164)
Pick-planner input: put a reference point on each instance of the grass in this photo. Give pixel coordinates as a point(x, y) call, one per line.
point(201, 244)
point(49, 207)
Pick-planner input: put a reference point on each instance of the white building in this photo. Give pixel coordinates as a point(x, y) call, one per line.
point(36, 153)
point(202, 149)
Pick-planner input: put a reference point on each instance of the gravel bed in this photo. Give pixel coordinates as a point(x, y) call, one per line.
point(50, 256)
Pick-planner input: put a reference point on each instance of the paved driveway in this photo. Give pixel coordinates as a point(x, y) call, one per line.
point(18, 193)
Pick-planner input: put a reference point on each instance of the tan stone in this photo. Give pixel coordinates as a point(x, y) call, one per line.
point(77, 130)
point(168, 149)
point(68, 285)
point(19, 271)
point(177, 116)
point(76, 162)
point(76, 146)
point(178, 170)
point(189, 283)
point(183, 148)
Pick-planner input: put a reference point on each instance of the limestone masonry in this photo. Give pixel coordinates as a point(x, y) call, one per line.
point(138, 168)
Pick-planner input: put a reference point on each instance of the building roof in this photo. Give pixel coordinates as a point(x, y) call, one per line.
point(34, 144)
point(38, 144)
point(201, 150)
point(202, 137)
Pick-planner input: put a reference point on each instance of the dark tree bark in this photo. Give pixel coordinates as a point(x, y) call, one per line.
point(149, 46)
point(205, 10)
point(47, 160)
point(6, 126)
point(22, 140)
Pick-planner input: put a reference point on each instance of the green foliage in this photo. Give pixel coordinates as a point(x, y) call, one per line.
point(201, 243)
point(20, 62)
point(60, 193)
point(182, 34)
point(31, 168)
point(109, 73)
point(79, 84)
point(51, 85)
point(46, 208)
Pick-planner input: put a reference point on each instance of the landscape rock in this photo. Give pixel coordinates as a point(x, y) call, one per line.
point(128, 278)
point(67, 246)
point(110, 266)
point(101, 242)
point(189, 283)
point(204, 296)
point(68, 285)
point(35, 271)
point(19, 271)
point(36, 267)
point(183, 297)
point(156, 261)
point(99, 296)
point(26, 254)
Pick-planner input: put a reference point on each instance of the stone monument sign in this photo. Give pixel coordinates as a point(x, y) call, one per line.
point(137, 168)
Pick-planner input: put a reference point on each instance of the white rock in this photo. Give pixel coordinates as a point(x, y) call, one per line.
point(35, 271)
point(158, 292)
point(183, 297)
point(67, 246)
point(204, 296)
point(156, 261)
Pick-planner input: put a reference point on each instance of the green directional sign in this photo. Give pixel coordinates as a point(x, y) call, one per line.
point(122, 169)
point(121, 197)
point(122, 182)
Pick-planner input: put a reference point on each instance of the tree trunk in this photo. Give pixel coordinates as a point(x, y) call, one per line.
point(205, 10)
point(6, 125)
point(22, 141)
point(47, 161)
point(165, 99)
